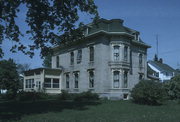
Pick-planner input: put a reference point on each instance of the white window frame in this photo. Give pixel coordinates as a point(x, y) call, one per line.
point(116, 53)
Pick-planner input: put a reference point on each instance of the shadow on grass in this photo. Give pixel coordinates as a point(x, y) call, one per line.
point(15, 110)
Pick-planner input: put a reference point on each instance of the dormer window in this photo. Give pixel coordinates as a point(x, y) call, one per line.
point(136, 36)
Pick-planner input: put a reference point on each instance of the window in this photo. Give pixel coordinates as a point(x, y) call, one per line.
point(140, 76)
point(51, 83)
point(47, 83)
point(140, 59)
point(91, 79)
point(29, 83)
point(76, 77)
point(57, 61)
point(79, 56)
point(116, 53)
point(67, 80)
point(125, 84)
point(72, 58)
point(125, 53)
point(91, 55)
point(116, 79)
point(55, 83)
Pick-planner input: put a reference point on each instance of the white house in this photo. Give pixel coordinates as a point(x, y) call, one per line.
point(109, 61)
point(163, 71)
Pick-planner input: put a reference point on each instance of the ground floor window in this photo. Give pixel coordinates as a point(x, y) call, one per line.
point(91, 79)
point(76, 80)
point(67, 80)
point(140, 76)
point(29, 83)
point(51, 83)
point(125, 84)
point(116, 79)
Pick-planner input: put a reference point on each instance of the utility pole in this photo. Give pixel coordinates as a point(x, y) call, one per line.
point(157, 45)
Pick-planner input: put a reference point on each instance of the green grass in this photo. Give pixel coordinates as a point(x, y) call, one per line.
point(104, 111)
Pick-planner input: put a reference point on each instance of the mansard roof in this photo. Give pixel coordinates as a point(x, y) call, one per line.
point(109, 28)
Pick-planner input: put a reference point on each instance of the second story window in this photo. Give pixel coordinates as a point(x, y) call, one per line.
point(125, 53)
point(79, 56)
point(72, 58)
point(116, 53)
point(91, 54)
point(140, 59)
point(57, 61)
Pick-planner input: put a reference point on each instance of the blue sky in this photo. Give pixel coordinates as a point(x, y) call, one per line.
point(149, 17)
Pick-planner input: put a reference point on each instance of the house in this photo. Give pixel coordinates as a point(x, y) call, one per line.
point(161, 70)
point(109, 61)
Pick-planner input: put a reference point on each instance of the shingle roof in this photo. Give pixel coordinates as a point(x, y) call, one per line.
point(39, 70)
point(162, 67)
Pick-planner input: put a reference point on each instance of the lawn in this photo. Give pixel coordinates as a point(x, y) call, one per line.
point(103, 111)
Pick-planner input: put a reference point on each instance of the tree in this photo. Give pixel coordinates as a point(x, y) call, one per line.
point(173, 87)
point(47, 61)
point(22, 67)
point(9, 78)
point(46, 19)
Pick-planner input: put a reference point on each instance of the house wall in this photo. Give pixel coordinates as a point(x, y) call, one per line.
point(103, 65)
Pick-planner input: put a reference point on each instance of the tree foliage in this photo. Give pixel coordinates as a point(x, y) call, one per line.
point(148, 92)
point(22, 67)
point(173, 87)
point(9, 78)
point(47, 61)
point(46, 19)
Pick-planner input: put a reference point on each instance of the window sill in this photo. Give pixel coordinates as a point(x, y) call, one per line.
point(118, 88)
point(51, 88)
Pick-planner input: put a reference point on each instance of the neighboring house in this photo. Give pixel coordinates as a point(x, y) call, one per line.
point(109, 61)
point(163, 71)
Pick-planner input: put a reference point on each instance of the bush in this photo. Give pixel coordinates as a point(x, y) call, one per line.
point(31, 96)
point(148, 92)
point(65, 96)
point(172, 88)
point(86, 96)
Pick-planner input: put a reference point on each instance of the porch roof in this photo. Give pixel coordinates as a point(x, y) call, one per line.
point(47, 71)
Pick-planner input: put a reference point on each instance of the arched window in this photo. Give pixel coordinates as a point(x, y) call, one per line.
point(57, 61)
point(116, 79)
point(67, 80)
point(116, 53)
point(140, 59)
point(72, 58)
point(125, 83)
point(76, 80)
point(125, 53)
point(79, 56)
point(91, 79)
point(91, 55)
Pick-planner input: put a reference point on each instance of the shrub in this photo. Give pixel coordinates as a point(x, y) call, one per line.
point(148, 92)
point(65, 96)
point(86, 96)
point(31, 96)
point(172, 88)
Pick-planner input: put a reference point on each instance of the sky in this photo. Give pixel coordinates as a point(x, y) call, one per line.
point(149, 17)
